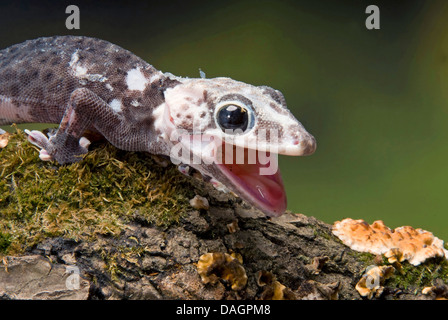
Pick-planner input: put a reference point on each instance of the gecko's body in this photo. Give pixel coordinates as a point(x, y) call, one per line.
point(90, 84)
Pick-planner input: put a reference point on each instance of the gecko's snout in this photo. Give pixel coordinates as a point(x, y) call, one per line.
point(303, 146)
point(308, 145)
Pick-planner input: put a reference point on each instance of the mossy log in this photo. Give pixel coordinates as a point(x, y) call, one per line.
point(119, 225)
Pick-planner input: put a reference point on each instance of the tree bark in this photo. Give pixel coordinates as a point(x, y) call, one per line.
point(297, 252)
point(290, 257)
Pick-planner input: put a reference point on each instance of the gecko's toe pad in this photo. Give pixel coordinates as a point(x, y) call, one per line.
point(184, 169)
point(84, 142)
point(37, 138)
point(44, 155)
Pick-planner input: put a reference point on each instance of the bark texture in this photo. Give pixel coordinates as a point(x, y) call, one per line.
point(230, 251)
point(291, 257)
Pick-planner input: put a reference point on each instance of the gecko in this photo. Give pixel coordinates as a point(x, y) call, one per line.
point(87, 84)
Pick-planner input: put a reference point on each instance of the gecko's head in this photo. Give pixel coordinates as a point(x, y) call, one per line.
point(233, 132)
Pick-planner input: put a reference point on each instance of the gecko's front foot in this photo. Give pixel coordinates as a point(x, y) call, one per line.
point(61, 147)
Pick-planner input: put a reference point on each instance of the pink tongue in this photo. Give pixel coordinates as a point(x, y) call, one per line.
point(270, 191)
point(267, 190)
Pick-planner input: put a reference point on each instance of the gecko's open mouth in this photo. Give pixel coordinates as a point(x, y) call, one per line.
point(256, 175)
point(252, 174)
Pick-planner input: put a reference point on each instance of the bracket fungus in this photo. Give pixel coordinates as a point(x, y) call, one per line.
point(316, 265)
point(232, 227)
point(212, 266)
point(402, 243)
point(4, 139)
point(273, 289)
point(313, 290)
point(372, 280)
point(199, 203)
point(439, 291)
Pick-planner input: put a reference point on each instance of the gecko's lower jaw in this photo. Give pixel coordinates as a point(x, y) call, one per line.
point(259, 183)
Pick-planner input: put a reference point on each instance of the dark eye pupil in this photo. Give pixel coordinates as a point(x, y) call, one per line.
point(233, 117)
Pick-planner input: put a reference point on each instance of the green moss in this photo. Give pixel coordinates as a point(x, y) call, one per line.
point(365, 257)
point(5, 242)
point(408, 276)
point(95, 196)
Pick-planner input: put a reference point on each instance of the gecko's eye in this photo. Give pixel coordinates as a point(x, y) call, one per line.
point(231, 116)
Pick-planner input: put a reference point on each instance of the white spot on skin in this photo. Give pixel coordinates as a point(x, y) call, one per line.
point(154, 77)
point(158, 116)
point(188, 101)
point(135, 80)
point(78, 71)
point(96, 77)
point(135, 103)
point(115, 105)
point(74, 59)
point(109, 87)
point(81, 72)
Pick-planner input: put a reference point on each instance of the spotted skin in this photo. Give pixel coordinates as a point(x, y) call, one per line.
point(90, 84)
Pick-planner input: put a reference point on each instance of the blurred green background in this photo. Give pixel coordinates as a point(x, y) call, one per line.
point(374, 99)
